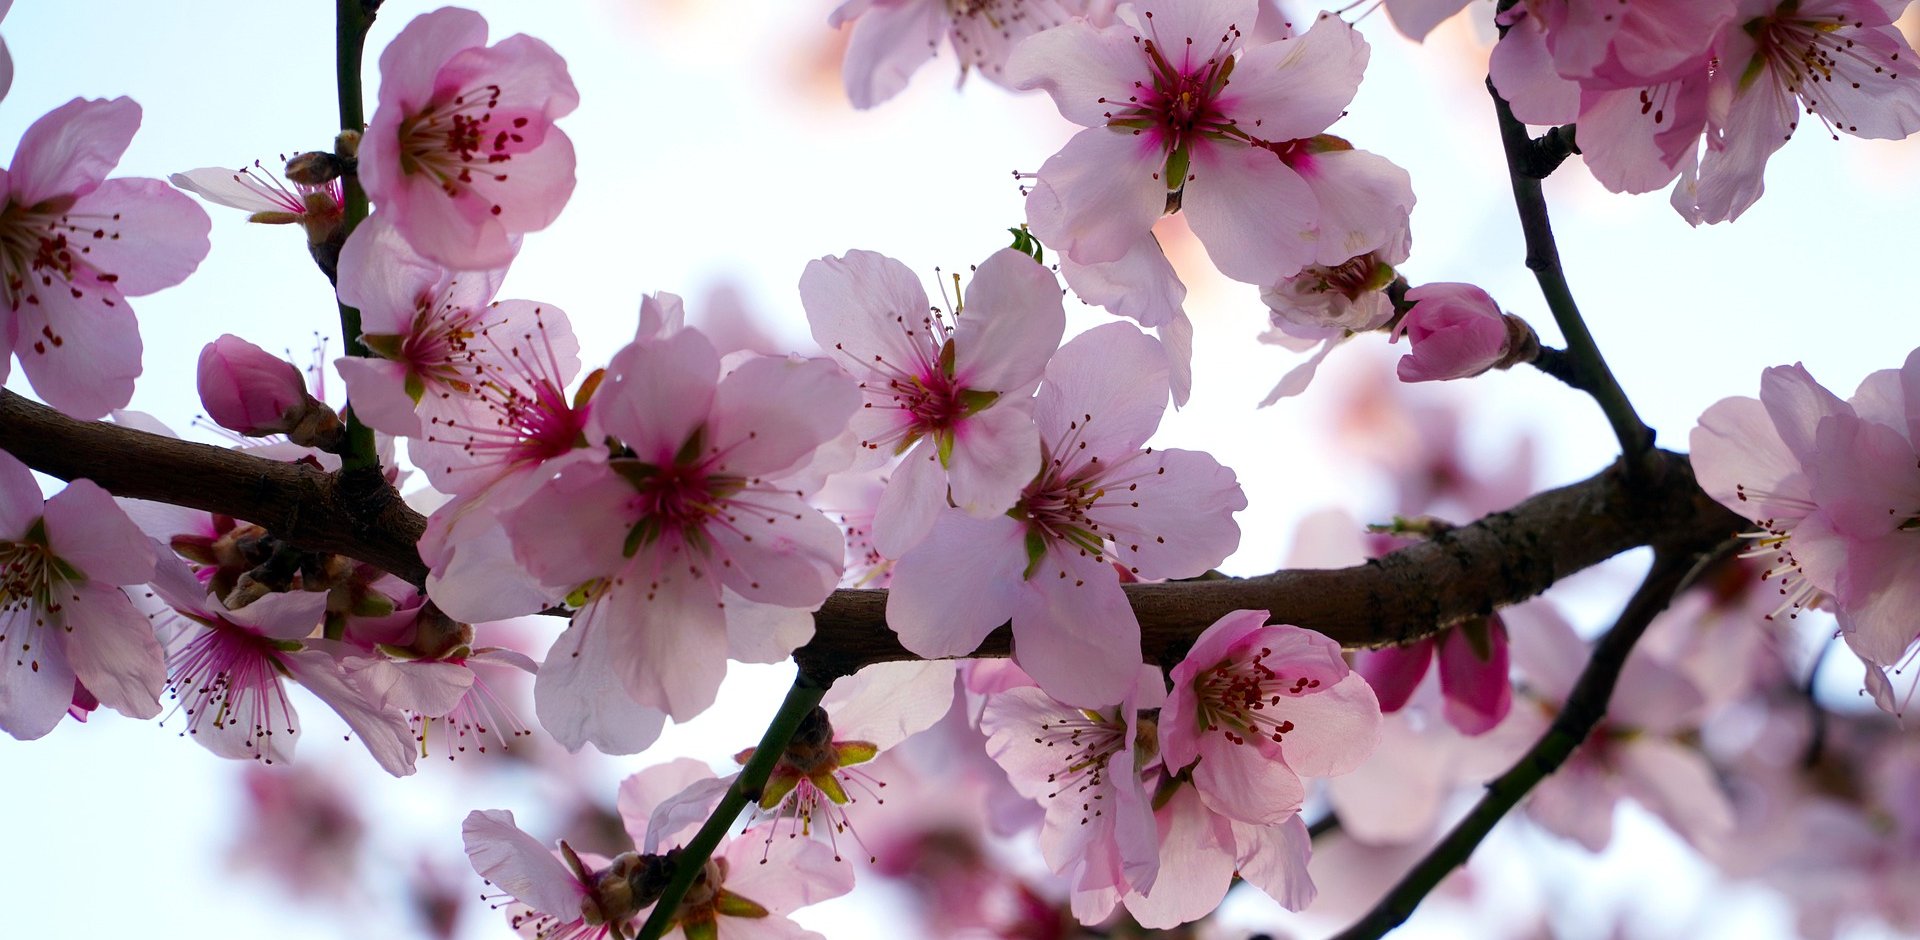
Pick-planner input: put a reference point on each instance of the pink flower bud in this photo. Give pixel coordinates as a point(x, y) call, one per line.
point(247, 389)
point(1457, 331)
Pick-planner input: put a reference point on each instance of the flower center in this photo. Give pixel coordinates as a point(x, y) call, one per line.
point(1236, 695)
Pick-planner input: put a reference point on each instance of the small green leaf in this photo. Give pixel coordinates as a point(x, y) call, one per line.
point(733, 905)
point(1036, 550)
point(1177, 163)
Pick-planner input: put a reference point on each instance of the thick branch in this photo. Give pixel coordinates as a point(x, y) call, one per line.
point(1585, 706)
point(357, 515)
point(1501, 559)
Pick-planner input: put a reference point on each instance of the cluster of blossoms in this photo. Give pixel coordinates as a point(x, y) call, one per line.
point(669, 503)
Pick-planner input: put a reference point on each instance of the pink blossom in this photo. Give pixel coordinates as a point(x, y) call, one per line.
point(1640, 750)
point(226, 670)
point(955, 401)
point(249, 390)
point(65, 624)
point(1203, 851)
point(1177, 113)
point(584, 898)
point(1258, 706)
point(462, 149)
point(1473, 673)
point(1456, 331)
point(1832, 486)
point(1844, 61)
point(1048, 564)
point(74, 245)
point(687, 543)
point(893, 38)
point(1084, 766)
point(319, 210)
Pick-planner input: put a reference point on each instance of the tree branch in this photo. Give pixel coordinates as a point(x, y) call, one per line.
point(1585, 706)
point(1589, 369)
point(1467, 571)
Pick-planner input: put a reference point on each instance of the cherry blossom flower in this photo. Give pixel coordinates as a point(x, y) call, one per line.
point(584, 898)
point(74, 245)
point(65, 625)
point(1832, 486)
point(1639, 750)
point(1084, 766)
point(1202, 853)
point(462, 149)
point(1258, 706)
point(687, 544)
point(1048, 564)
point(893, 38)
point(226, 670)
point(955, 401)
point(1177, 113)
point(319, 210)
point(1844, 61)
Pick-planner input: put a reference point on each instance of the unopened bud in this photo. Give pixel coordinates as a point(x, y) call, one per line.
point(315, 168)
point(1457, 331)
point(249, 390)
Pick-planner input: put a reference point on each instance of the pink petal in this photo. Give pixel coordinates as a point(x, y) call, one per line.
point(778, 550)
point(35, 685)
point(1334, 730)
point(855, 306)
point(1094, 199)
point(996, 453)
point(1253, 213)
point(641, 793)
point(411, 63)
point(1084, 68)
point(957, 585)
point(88, 530)
point(1678, 785)
point(772, 412)
point(112, 650)
point(517, 864)
point(1113, 373)
point(1196, 864)
point(1140, 284)
point(1170, 513)
point(1737, 448)
point(377, 390)
point(1364, 200)
point(1074, 631)
point(383, 731)
point(71, 149)
point(657, 392)
point(1274, 859)
point(570, 531)
point(1479, 691)
point(81, 353)
point(668, 640)
point(20, 501)
point(807, 873)
point(1395, 671)
point(916, 494)
point(886, 703)
point(764, 633)
point(150, 235)
point(1010, 326)
point(889, 43)
point(579, 697)
point(1294, 88)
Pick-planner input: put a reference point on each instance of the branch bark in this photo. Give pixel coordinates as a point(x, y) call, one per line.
point(1501, 559)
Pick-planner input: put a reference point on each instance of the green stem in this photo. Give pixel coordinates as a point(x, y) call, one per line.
point(352, 18)
point(746, 788)
point(1585, 706)
point(1543, 257)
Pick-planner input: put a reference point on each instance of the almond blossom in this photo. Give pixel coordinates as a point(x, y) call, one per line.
point(227, 670)
point(319, 210)
point(686, 543)
point(1085, 766)
point(1259, 706)
point(1833, 487)
point(63, 617)
point(74, 245)
point(955, 401)
point(462, 149)
point(1048, 564)
point(893, 38)
point(1179, 115)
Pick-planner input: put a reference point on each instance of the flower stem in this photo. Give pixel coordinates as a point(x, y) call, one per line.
point(351, 20)
point(746, 788)
point(1588, 369)
point(1586, 705)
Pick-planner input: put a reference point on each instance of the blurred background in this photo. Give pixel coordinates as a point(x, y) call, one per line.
point(717, 155)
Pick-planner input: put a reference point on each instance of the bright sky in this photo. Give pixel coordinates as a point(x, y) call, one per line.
point(715, 149)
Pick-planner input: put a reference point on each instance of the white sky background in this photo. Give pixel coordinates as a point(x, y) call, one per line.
point(715, 147)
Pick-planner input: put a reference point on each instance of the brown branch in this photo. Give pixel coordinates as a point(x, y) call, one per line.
point(1502, 559)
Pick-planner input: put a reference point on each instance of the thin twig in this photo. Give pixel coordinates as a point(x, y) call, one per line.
point(1586, 705)
point(746, 788)
point(1543, 257)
